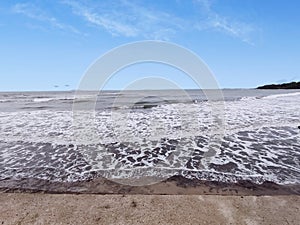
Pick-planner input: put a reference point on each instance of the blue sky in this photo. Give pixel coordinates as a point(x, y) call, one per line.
point(52, 42)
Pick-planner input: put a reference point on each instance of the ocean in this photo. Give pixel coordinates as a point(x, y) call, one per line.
point(161, 133)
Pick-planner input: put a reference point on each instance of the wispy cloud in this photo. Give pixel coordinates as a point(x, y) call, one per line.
point(132, 19)
point(105, 20)
point(213, 20)
point(129, 19)
point(138, 19)
point(36, 13)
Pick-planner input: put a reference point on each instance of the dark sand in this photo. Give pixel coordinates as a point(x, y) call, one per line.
point(172, 186)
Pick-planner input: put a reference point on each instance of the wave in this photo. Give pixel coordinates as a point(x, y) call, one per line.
point(281, 95)
point(5, 100)
point(41, 99)
point(36, 107)
point(46, 99)
point(249, 98)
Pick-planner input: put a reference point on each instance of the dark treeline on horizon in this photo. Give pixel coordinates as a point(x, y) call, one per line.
point(291, 85)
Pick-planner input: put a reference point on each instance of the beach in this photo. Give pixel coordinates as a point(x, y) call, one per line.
point(169, 163)
point(149, 112)
point(176, 200)
point(40, 208)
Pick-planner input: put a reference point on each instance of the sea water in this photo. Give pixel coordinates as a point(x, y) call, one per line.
point(158, 133)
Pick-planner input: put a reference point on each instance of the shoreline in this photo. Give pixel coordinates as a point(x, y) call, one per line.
point(176, 185)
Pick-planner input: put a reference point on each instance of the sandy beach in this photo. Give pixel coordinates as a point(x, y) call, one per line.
point(24, 208)
point(176, 200)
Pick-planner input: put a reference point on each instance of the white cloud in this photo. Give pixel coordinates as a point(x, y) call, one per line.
point(131, 19)
point(236, 29)
point(213, 20)
point(205, 4)
point(128, 19)
point(134, 19)
point(113, 26)
point(36, 13)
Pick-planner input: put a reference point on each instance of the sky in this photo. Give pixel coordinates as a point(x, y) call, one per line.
point(49, 44)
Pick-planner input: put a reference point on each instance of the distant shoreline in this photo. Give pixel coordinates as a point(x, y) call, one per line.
point(291, 85)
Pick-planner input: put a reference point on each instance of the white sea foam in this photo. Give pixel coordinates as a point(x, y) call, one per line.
point(5, 100)
point(43, 99)
point(282, 95)
point(261, 141)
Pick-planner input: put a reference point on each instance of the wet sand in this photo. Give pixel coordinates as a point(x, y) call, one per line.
point(176, 185)
point(38, 208)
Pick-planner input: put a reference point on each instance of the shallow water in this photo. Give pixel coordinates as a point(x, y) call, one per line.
point(162, 134)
